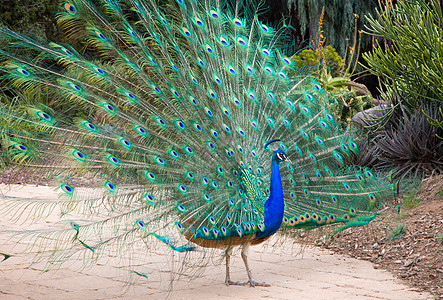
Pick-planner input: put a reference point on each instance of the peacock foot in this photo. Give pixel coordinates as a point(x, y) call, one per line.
point(253, 283)
point(229, 282)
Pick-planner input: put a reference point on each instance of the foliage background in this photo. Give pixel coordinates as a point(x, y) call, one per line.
point(33, 17)
point(338, 23)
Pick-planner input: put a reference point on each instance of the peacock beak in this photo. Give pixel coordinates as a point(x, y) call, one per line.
point(288, 160)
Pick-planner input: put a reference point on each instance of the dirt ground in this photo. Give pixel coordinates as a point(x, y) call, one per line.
point(407, 241)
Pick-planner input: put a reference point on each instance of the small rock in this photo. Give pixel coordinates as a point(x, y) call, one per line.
point(376, 266)
point(375, 246)
point(398, 262)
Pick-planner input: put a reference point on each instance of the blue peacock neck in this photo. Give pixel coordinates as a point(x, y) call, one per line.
point(274, 206)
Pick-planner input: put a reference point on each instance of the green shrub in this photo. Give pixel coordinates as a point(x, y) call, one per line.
point(408, 52)
point(408, 59)
point(320, 58)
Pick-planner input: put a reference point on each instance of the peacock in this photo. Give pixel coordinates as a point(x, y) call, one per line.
point(179, 122)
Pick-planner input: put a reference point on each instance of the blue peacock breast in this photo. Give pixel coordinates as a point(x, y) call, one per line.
point(273, 219)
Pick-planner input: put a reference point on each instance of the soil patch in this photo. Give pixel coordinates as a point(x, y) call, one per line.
point(406, 239)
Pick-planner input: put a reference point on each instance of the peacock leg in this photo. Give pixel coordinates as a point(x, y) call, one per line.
point(228, 280)
point(244, 255)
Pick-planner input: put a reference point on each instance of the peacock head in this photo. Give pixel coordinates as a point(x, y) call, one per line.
point(280, 156)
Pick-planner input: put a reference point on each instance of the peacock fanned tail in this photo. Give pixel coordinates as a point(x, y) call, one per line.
point(154, 128)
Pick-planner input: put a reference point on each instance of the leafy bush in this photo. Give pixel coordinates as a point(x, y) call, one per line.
point(320, 58)
point(408, 51)
point(407, 57)
point(436, 122)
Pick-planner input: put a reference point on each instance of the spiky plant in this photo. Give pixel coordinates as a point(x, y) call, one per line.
point(407, 145)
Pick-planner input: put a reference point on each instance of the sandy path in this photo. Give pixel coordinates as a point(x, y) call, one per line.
point(314, 274)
